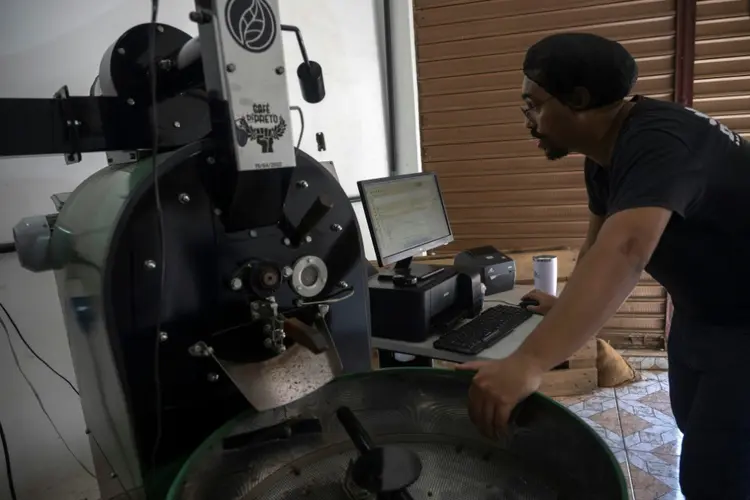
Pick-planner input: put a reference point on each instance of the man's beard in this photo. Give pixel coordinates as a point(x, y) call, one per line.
point(555, 153)
point(551, 151)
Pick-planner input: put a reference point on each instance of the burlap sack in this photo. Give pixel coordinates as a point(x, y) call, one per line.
point(611, 367)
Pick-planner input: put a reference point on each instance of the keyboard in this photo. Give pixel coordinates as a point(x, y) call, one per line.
point(484, 331)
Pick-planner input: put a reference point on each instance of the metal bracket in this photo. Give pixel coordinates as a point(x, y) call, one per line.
point(72, 126)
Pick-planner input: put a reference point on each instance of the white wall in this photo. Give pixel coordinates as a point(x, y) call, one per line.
point(44, 45)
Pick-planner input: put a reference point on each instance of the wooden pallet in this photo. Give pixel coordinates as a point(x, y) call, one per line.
point(576, 376)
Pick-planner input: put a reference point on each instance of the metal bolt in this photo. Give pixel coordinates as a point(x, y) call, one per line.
point(210, 160)
point(213, 377)
point(287, 241)
point(336, 227)
point(150, 264)
point(298, 287)
point(165, 64)
point(343, 284)
point(253, 233)
point(176, 124)
point(302, 184)
point(254, 316)
point(267, 328)
point(163, 336)
point(121, 51)
point(231, 67)
point(77, 123)
point(254, 306)
point(272, 300)
point(131, 101)
point(323, 309)
point(184, 198)
point(235, 284)
point(217, 211)
point(268, 343)
point(280, 70)
point(287, 271)
point(308, 239)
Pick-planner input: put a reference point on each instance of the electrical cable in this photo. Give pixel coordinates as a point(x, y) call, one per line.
point(70, 384)
point(302, 124)
point(7, 248)
point(39, 400)
point(8, 468)
point(160, 238)
point(346, 292)
point(37, 356)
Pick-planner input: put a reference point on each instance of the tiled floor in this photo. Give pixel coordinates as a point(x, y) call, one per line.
point(637, 423)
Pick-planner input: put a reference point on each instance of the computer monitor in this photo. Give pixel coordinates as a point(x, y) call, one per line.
point(406, 216)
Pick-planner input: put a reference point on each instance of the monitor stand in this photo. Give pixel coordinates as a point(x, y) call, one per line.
point(406, 268)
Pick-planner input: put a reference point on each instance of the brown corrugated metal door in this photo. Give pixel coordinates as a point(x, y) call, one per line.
point(722, 62)
point(498, 187)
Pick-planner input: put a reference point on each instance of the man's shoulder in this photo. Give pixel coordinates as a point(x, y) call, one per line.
point(664, 124)
point(666, 128)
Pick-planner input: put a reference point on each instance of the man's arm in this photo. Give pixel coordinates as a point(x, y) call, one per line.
point(595, 225)
point(655, 177)
point(599, 286)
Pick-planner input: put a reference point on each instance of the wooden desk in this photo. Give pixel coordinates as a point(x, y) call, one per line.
point(577, 376)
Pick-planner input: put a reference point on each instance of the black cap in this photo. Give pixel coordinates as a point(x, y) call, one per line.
point(560, 63)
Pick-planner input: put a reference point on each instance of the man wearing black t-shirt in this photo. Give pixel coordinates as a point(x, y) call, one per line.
point(669, 192)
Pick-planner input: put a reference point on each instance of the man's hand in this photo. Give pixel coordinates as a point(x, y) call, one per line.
point(497, 388)
point(546, 301)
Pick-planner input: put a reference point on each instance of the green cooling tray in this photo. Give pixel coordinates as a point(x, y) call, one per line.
point(549, 454)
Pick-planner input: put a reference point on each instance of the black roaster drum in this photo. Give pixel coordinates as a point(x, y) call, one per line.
point(550, 454)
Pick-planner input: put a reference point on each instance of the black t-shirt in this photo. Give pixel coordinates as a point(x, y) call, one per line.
point(680, 159)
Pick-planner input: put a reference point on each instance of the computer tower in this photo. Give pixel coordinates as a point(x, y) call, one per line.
point(406, 313)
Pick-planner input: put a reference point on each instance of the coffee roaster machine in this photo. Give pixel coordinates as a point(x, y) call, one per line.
point(216, 269)
point(214, 273)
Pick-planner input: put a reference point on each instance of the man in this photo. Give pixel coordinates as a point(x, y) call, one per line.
point(669, 192)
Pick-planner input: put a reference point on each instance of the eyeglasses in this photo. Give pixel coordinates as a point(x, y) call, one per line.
point(533, 109)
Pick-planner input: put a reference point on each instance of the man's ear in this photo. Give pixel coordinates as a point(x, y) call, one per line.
point(579, 99)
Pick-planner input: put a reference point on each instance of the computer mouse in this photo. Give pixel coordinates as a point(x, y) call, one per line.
point(525, 303)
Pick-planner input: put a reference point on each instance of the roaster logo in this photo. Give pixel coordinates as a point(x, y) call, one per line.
point(252, 24)
point(261, 126)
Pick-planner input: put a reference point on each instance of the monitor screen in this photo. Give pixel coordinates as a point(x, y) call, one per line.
point(406, 215)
